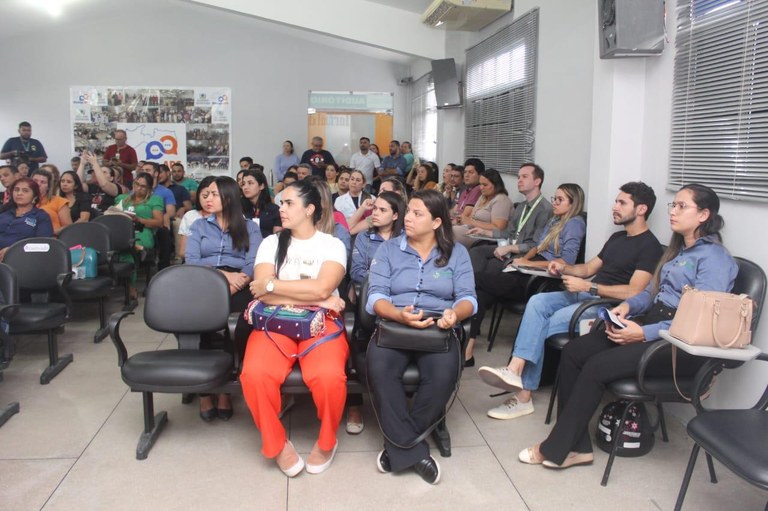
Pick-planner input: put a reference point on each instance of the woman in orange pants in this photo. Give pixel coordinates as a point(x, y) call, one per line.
point(299, 266)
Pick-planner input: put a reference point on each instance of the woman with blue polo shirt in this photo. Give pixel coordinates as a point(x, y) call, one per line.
point(696, 258)
point(21, 219)
point(561, 240)
point(225, 240)
point(387, 219)
point(424, 271)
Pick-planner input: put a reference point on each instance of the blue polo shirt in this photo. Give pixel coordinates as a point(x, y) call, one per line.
point(706, 265)
point(400, 276)
point(366, 245)
point(208, 245)
point(32, 147)
point(165, 194)
point(35, 223)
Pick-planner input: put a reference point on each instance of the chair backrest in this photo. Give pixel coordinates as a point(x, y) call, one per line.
point(187, 299)
point(38, 262)
point(9, 284)
point(751, 281)
point(367, 321)
point(88, 234)
point(583, 247)
point(121, 231)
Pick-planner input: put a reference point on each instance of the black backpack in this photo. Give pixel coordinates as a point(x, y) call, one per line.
point(636, 433)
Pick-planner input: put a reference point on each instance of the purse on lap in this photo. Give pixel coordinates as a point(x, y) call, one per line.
point(391, 334)
point(712, 318)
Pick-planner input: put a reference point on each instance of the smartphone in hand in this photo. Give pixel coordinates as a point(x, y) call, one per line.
point(609, 317)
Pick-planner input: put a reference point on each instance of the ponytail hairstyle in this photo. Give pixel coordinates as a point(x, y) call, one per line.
point(232, 212)
point(326, 223)
point(438, 208)
point(576, 195)
point(397, 203)
point(309, 194)
point(705, 198)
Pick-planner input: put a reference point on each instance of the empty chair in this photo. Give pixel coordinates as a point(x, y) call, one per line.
point(204, 308)
point(122, 239)
point(10, 293)
point(43, 268)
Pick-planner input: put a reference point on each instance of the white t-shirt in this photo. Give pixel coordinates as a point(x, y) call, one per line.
point(304, 257)
point(365, 163)
point(185, 226)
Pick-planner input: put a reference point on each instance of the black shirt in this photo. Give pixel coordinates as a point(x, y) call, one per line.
point(622, 255)
point(100, 200)
point(317, 160)
point(82, 204)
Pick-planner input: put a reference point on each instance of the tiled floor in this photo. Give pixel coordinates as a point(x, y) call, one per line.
point(72, 448)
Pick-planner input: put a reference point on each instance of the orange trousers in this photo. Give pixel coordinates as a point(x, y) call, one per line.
point(265, 368)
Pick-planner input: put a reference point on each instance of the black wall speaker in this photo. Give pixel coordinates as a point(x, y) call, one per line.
point(446, 83)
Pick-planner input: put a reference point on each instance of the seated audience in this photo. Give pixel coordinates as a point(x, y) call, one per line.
point(622, 269)
point(361, 220)
point(426, 178)
point(298, 266)
point(398, 293)
point(257, 204)
point(177, 173)
point(348, 203)
point(185, 226)
point(331, 174)
point(181, 195)
point(79, 202)
point(56, 207)
point(8, 176)
point(561, 239)
point(54, 170)
point(342, 183)
point(225, 240)
point(469, 193)
point(103, 186)
point(288, 178)
point(282, 183)
point(491, 212)
point(21, 219)
point(23, 168)
point(695, 258)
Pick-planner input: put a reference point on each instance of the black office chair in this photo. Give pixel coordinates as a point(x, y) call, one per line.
point(43, 269)
point(99, 288)
point(10, 293)
point(366, 324)
point(643, 388)
point(735, 437)
point(121, 239)
point(186, 301)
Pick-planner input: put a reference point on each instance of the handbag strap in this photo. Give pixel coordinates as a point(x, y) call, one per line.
point(337, 321)
point(742, 322)
point(705, 395)
point(82, 254)
point(432, 426)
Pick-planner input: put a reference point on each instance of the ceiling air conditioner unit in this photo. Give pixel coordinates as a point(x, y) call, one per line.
point(465, 14)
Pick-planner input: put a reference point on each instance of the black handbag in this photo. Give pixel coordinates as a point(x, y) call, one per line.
point(394, 335)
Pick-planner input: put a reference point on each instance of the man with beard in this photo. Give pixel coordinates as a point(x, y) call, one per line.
point(623, 268)
point(24, 149)
point(365, 160)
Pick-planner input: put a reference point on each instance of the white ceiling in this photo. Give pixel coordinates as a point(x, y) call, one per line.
point(417, 6)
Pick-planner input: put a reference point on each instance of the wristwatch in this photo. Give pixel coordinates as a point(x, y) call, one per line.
point(593, 289)
point(270, 287)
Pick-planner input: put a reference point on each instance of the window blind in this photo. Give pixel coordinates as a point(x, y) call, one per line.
point(424, 118)
point(720, 98)
point(500, 115)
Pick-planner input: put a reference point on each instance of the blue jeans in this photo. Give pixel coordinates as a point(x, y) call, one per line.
point(546, 314)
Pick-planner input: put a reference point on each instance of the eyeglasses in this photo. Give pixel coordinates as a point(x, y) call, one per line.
point(557, 200)
point(679, 206)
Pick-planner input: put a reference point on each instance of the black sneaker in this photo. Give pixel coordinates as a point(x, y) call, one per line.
point(428, 469)
point(382, 462)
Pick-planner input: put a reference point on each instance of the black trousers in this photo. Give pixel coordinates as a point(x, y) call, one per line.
point(587, 364)
point(491, 286)
point(438, 373)
point(164, 241)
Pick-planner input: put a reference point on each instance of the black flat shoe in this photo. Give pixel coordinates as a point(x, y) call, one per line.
point(470, 362)
point(225, 413)
point(209, 415)
point(382, 462)
point(428, 469)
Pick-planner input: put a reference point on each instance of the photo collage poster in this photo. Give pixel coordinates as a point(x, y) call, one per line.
point(164, 125)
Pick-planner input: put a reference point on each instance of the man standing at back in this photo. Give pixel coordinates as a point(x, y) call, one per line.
point(395, 160)
point(623, 268)
point(317, 157)
point(122, 155)
point(365, 160)
point(24, 149)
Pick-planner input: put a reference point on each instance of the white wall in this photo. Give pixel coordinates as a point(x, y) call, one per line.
point(269, 70)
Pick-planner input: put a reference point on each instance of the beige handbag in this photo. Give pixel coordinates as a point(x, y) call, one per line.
point(712, 318)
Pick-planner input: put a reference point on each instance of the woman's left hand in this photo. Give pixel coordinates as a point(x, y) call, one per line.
point(448, 319)
point(632, 333)
point(333, 303)
point(258, 287)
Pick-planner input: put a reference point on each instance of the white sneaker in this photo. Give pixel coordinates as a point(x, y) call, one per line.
point(501, 377)
point(511, 409)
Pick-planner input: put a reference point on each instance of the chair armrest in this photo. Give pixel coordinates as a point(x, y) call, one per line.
point(582, 308)
point(9, 311)
point(114, 333)
point(62, 280)
point(231, 326)
point(653, 350)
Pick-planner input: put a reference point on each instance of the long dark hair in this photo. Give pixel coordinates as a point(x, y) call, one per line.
point(495, 179)
point(705, 198)
point(309, 194)
point(438, 208)
point(204, 183)
point(75, 178)
point(431, 174)
point(232, 212)
point(397, 203)
point(263, 199)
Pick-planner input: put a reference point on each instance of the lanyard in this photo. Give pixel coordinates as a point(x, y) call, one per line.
point(526, 215)
point(25, 146)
